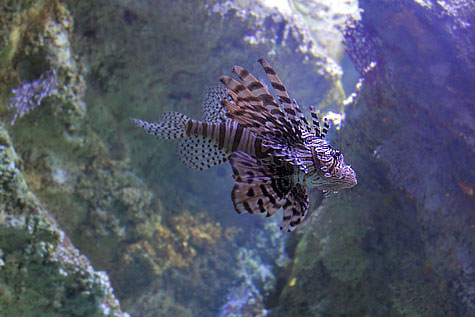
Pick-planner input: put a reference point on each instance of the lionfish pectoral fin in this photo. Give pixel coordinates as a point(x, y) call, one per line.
point(256, 189)
point(200, 153)
point(295, 208)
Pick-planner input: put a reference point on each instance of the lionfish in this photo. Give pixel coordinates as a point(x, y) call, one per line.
point(274, 151)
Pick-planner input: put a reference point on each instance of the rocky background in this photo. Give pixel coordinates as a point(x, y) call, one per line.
point(76, 175)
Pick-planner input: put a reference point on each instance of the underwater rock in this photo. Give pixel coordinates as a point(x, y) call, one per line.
point(41, 272)
point(401, 242)
point(38, 53)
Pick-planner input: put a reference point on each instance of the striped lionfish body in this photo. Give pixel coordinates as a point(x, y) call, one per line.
point(274, 151)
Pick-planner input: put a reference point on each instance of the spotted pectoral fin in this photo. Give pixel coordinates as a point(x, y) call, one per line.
point(295, 207)
point(200, 153)
point(258, 186)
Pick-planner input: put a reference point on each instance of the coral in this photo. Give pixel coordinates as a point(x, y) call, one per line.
point(188, 250)
point(413, 295)
point(159, 303)
point(244, 300)
point(121, 205)
point(38, 53)
point(29, 95)
point(177, 244)
point(254, 268)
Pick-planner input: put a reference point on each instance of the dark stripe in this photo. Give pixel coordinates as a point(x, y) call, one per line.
point(238, 89)
point(297, 222)
point(285, 100)
point(260, 203)
point(266, 193)
point(259, 119)
point(254, 85)
point(250, 192)
point(247, 207)
point(237, 138)
point(287, 204)
point(276, 189)
point(266, 99)
point(189, 126)
point(221, 134)
point(269, 70)
point(258, 148)
point(259, 108)
point(244, 73)
point(204, 126)
point(291, 111)
point(278, 86)
point(251, 98)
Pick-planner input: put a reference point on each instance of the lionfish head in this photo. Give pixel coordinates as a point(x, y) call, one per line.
point(331, 174)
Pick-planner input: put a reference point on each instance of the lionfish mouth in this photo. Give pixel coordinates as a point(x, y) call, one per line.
point(348, 180)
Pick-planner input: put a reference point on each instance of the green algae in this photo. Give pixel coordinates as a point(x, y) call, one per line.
point(41, 273)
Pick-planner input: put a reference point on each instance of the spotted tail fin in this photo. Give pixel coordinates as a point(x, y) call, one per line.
point(170, 125)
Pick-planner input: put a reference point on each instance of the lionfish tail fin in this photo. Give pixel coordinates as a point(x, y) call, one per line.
point(170, 125)
point(257, 187)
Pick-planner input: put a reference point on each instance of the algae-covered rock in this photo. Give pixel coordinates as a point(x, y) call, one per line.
point(38, 61)
point(401, 242)
point(41, 272)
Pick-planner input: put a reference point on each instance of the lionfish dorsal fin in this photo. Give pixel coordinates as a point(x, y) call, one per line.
point(200, 153)
point(326, 126)
point(302, 121)
point(254, 107)
point(258, 89)
point(213, 109)
point(248, 110)
point(275, 82)
point(315, 121)
point(260, 187)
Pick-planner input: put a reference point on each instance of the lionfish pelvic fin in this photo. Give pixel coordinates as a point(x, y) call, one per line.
point(257, 187)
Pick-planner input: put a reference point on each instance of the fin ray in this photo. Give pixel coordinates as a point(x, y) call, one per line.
point(260, 187)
